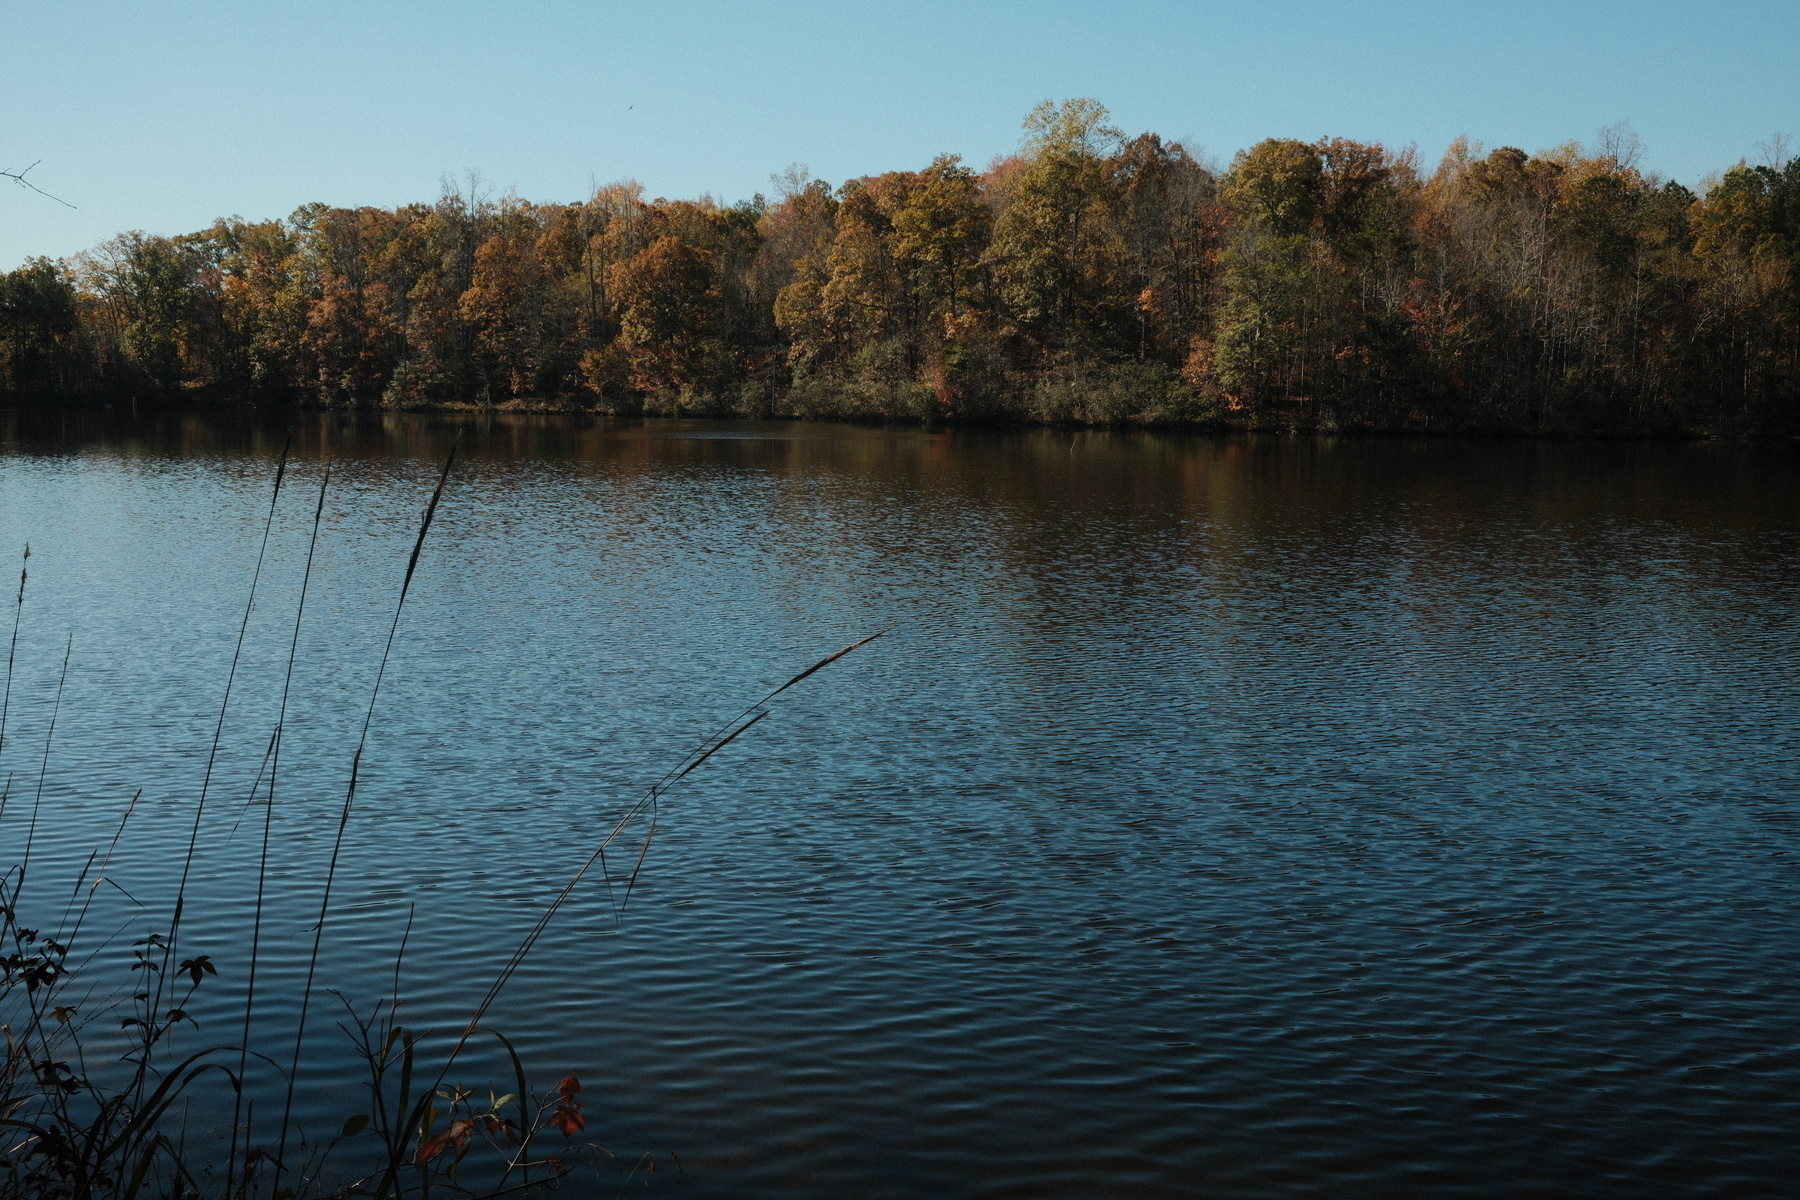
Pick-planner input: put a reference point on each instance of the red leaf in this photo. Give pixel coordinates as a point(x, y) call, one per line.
point(458, 1133)
point(432, 1149)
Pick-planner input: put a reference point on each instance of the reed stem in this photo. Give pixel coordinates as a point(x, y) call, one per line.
point(12, 652)
point(212, 754)
point(273, 759)
point(646, 804)
point(44, 766)
point(337, 843)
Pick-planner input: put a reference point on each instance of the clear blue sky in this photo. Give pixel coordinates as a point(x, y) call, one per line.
point(161, 116)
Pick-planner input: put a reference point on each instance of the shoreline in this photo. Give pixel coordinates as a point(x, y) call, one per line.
point(1011, 423)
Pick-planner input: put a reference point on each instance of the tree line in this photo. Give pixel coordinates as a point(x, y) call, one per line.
point(1089, 278)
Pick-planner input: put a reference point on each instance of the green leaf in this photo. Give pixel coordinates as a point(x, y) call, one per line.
point(355, 1125)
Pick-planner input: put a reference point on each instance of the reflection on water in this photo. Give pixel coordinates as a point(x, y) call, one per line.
point(1237, 817)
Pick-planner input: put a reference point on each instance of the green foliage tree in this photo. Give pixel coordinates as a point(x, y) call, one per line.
point(40, 332)
point(1055, 253)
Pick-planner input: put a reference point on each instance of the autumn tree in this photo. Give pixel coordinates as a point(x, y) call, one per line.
point(1091, 277)
point(668, 310)
point(1747, 266)
point(1055, 255)
point(1313, 323)
point(794, 267)
point(1165, 211)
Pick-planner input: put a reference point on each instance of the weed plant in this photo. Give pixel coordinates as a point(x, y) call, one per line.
point(79, 1120)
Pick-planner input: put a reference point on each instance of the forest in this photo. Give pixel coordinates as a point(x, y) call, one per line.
point(1091, 278)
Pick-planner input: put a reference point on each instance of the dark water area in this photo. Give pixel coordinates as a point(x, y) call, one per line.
point(1219, 817)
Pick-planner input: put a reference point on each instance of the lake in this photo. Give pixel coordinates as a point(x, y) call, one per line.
point(1216, 816)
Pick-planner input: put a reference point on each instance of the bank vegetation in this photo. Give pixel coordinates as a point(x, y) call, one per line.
point(1091, 278)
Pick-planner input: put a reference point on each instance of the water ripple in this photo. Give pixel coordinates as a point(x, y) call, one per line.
point(1250, 818)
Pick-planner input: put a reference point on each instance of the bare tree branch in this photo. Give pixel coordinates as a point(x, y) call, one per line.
point(18, 177)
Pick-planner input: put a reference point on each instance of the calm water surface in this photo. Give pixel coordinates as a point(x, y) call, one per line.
point(1219, 817)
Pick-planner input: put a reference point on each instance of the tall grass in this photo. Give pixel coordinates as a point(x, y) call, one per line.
point(212, 751)
point(68, 1129)
point(272, 768)
point(37, 800)
point(12, 653)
